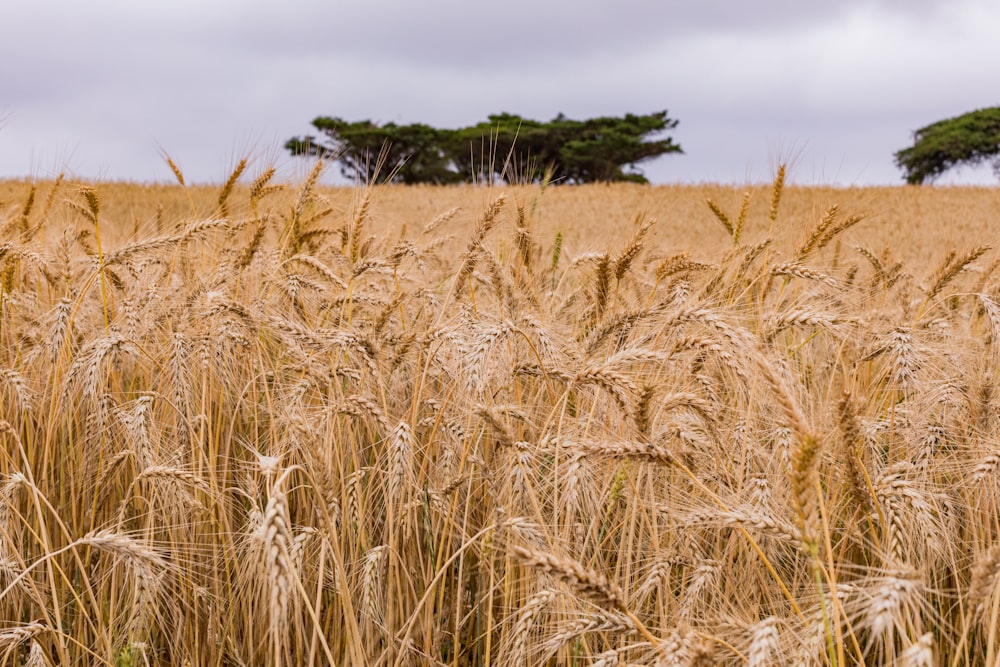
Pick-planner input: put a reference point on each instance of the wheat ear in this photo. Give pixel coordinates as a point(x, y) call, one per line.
point(525, 621)
point(585, 581)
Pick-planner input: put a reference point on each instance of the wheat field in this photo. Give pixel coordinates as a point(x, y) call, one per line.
point(285, 424)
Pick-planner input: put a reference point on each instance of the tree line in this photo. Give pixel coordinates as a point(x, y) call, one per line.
point(505, 147)
point(510, 148)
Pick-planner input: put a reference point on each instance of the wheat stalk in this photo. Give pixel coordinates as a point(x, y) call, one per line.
point(10, 638)
point(796, 270)
point(585, 581)
point(642, 451)
point(273, 537)
point(776, 192)
point(896, 593)
point(526, 619)
point(763, 643)
point(36, 656)
point(595, 622)
point(851, 440)
point(623, 260)
point(984, 575)
point(227, 188)
point(951, 267)
point(722, 217)
point(920, 653)
point(371, 598)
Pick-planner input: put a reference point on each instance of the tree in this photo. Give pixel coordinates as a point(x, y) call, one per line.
point(969, 139)
point(505, 147)
point(602, 146)
point(366, 151)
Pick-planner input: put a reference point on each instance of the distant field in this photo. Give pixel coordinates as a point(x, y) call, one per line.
point(603, 425)
point(919, 222)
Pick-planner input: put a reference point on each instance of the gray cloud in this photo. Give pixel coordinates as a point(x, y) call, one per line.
point(101, 86)
point(481, 35)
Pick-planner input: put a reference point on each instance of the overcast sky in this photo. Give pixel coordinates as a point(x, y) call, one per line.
point(98, 89)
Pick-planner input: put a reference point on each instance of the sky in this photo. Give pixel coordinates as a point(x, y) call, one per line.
point(103, 89)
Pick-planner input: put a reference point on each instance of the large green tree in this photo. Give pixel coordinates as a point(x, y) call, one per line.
point(506, 147)
point(969, 139)
point(366, 151)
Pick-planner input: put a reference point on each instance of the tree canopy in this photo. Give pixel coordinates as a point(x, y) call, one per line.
point(969, 139)
point(505, 147)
